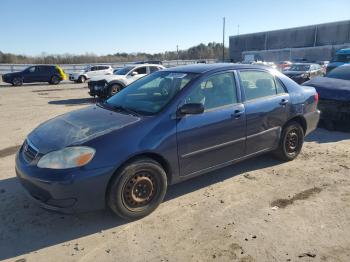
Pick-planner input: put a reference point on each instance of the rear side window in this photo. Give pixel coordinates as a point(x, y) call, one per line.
point(153, 69)
point(258, 84)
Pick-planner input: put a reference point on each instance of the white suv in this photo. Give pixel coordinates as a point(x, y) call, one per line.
point(106, 86)
point(89, 72)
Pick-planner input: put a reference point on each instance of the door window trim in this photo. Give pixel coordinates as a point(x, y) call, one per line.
point(241, 87)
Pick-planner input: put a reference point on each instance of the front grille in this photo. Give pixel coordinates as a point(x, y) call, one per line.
point(92, 84)
point(29, 151)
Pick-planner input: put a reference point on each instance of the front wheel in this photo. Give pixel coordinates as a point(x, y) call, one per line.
point(115, 88)
point(81, 79)
point(291, 142)
point(17, 81)
point(138, 189)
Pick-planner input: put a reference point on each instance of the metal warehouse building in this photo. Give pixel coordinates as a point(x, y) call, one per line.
point(314, 43)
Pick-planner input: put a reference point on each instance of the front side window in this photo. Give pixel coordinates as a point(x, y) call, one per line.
point(31, 69)
point(216, 91)
point(150, 94)
point(258, 84)
point(141, 70)
point(123, 71)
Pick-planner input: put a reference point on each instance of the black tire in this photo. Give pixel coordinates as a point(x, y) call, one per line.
point(291, 142)
point(55, 80)
point(81, 79)
point(113, 89)
point(137, 189)
point(17, 81)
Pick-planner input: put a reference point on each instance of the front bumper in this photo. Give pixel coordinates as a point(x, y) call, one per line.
point(98, 88)
point(68, 191)
point(73, 77)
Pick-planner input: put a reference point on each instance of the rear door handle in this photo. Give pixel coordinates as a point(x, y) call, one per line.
point(237, 113)
point(284, 102)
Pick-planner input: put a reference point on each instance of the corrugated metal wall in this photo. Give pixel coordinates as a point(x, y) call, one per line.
point(316, 41)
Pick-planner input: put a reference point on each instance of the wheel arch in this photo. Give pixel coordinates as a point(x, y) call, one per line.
point(151, 155)
point(299, 119)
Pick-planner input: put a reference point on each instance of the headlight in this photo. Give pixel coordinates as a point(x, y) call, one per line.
point(68, 157)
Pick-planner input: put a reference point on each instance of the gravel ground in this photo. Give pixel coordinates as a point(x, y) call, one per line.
point(258, 210)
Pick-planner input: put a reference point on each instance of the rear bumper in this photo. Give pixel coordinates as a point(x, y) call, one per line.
point(76, 190)
point(312, 120)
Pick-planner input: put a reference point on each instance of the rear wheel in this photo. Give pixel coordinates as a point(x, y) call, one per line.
point(55, 80)
point(81, 79)
point(17, 81)
point(138, 189)
point(115, 88)
point(291, 142)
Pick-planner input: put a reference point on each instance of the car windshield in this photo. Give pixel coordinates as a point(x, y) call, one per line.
point(342, 72)
point(150, 94)
point(123, 71)
point(344, 58)
point(299, 68)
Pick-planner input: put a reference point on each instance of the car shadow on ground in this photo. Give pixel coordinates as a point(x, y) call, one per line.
point(5, 85)
point(74, 101)
point(321, 135)
point(25, 228)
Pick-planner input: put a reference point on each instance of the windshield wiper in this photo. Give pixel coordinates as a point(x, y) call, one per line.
point(120, 108)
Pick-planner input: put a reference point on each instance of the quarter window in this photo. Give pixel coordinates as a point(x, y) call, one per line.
point(258, 84)
point(153, 69)
point(216, 91)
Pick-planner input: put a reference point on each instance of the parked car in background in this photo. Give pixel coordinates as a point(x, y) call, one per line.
point(323, 65)
point(165, 128)
point(302, 72)
point(157, 62)
point(89, 72)
point(53, 74)
point(334, 97)
point(284, 65)
point(106, 86)
point(341, 57)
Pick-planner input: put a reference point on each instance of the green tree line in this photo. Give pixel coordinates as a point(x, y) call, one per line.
point(210, 51)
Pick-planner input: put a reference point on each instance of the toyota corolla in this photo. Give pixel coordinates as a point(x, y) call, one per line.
point(163, 129)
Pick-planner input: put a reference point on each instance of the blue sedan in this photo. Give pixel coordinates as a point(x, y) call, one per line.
point(163, 129)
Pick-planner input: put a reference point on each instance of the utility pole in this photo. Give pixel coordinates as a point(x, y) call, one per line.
point(223, 40)
point(177, 50)
point(238, 29)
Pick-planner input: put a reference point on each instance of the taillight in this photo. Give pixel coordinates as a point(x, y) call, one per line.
point(314, 107)
point(316, 97)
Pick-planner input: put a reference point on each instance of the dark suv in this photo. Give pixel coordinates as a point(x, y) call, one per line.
point(52, 74)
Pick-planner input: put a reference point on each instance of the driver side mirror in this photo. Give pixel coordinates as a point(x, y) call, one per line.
point(190, 109)
point(134, 73)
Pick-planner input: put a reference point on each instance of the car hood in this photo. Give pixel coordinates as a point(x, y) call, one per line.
point(108, 78)
point(77, 127)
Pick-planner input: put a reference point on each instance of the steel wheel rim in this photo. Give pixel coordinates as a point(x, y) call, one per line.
point(140, 190)
point(292, 141)
point(115, 89)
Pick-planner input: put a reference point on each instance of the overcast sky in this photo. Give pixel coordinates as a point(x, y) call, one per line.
point(103, 27)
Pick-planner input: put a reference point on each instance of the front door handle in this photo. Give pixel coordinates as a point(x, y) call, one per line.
point(237, 113)
point(284, 102)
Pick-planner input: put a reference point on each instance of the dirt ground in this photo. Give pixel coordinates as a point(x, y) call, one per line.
point(258, 210)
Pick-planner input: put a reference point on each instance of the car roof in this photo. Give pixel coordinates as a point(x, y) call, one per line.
point(204, 68)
